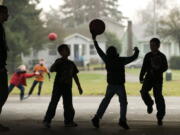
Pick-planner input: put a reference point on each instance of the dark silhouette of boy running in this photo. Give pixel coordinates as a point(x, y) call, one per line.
point(3, 57)
point(115, 66)
point(151, 76)
point(65, 70)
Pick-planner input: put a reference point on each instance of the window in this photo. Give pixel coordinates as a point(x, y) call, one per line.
point(83, 49)
point(92, 50)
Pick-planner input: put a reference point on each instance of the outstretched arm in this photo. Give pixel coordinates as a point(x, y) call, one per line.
point(99, 50)
point(127, 60)
point(76, 79)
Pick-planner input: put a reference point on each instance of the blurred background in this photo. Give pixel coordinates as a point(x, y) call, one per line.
point(129, 23)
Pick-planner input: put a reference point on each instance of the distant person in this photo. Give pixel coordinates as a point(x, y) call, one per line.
point(151, 76)
point(3, 57)
point(115, 66)
point(65, 70)
point(41, 68)
point(18, 79)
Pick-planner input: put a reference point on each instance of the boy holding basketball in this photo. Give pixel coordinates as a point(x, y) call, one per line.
point(65, 70)
point(115, 66)
point(151, 76)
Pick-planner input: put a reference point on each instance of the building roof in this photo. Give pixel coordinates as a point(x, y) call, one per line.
point(77, 35)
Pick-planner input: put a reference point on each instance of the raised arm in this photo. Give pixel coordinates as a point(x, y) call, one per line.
point(127, 60)
point(99, 50)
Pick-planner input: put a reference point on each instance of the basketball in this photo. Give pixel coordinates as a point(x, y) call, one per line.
point(97, 26)
point(52, 36)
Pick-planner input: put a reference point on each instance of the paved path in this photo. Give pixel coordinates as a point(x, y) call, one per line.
point(25, 117)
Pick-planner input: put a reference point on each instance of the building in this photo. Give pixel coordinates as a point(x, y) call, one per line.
point(81, 47)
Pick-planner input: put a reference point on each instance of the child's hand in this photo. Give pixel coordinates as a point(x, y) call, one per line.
point(136, 49)
point(80, 91)
point(37, 73)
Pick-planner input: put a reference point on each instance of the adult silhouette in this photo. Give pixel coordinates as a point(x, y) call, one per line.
point(3, 58)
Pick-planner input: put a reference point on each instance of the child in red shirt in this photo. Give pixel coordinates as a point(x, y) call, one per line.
point(18, 79)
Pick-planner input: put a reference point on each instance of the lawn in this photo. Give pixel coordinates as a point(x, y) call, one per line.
point(95, 84)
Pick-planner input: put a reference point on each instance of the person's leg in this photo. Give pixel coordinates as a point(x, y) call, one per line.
point(69, 111)
point(32, 87)
point(21, 87)
point(3, 94)
point(147, 86)
point(160, 102)
point(39, 88)
point(56, 94)
point(110, 91)
point(105, 102)
point(121, 92)
point(3, 88)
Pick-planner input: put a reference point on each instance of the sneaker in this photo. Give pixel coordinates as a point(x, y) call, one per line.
point(124, 125)
point(160, 122)
point(26, 97)
point(95, 122)
point(71, 124)
point(3, 128)
point(21, 98)
point(150, 108)
point(46, 124)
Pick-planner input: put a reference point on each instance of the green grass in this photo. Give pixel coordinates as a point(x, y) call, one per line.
point(95, 84)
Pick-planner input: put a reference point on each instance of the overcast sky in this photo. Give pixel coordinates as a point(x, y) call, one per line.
point(128, 7)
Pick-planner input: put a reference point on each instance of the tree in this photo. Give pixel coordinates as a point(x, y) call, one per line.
point(170, 26)
point(24, 30)
point(112, 40)
point(77, 12)
point(147, 15)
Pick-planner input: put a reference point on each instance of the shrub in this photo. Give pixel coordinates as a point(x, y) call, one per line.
point(175, 62)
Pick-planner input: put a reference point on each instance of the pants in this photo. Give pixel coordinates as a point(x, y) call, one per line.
point(110, 91)
point(21, 87)
point(33, 86)
point(157, 92)
point(3, 88)
point(69, 112)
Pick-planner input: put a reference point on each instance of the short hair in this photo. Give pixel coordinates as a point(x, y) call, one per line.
point(156, 41)
point(112, 52)
point(61, 47)
point(3, 8)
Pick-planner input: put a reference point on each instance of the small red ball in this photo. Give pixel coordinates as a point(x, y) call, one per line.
point(52, 36)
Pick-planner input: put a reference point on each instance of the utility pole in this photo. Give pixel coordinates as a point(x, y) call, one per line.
point(130, 39)
point(155, 19)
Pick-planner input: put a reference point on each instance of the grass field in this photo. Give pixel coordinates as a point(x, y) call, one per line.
point(95, 84)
